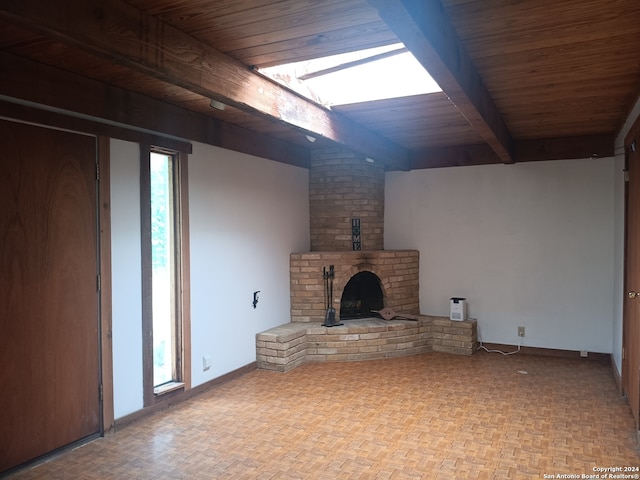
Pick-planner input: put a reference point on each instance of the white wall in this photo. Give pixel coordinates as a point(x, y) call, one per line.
point(530, 244)
point(246, 216)
point(126, 277)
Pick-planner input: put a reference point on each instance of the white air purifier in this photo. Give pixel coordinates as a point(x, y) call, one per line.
point(458, 309)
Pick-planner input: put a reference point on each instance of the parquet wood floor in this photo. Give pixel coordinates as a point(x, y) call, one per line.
point(432, 416)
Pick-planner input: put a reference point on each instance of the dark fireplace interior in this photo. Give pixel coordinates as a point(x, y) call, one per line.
point(361, 296)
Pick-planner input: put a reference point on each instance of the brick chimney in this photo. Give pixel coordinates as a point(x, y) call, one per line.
point(345, 189)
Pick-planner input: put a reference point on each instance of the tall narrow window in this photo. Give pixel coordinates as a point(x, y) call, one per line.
point(163, 268)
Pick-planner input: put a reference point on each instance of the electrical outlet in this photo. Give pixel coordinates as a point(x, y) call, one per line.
point(521, 331)
point(584, 353)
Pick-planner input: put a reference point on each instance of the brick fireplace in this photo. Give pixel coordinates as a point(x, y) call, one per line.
point(346, 206)
point(346, 189)
point(397, 271)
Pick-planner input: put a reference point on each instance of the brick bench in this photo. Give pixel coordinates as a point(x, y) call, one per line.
point(282, 348)
point(286, 346)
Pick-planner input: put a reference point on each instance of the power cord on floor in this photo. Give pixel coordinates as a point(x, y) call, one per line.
point(482, 347)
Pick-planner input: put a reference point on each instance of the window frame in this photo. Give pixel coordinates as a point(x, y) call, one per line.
point(152, 394)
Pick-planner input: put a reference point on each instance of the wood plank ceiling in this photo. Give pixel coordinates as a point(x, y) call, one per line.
point(521, 80)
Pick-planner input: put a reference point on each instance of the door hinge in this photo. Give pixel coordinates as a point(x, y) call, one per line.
point(99, 282)
point(624, 354)
point(626, 175)
point(100, 390)
point(97, 171)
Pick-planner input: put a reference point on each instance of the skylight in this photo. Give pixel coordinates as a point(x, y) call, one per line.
point(366, 75)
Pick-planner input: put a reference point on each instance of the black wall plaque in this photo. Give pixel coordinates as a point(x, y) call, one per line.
point(356, 236)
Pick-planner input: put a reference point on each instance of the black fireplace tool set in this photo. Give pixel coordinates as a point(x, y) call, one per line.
point(330, 319)
point(386, 313)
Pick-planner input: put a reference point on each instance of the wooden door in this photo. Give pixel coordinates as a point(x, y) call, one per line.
point(631, 325)
point(49, 350)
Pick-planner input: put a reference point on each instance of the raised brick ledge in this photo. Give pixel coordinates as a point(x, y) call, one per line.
point(289, 345)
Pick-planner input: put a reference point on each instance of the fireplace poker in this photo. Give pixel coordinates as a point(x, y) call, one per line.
point(326, 287)
point(330, 320)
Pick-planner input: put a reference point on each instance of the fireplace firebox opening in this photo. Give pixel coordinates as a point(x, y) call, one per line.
point(361, 296)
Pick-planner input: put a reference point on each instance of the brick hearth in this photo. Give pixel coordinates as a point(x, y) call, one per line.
point(290, 345)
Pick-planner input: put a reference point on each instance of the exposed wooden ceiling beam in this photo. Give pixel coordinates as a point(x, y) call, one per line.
point(426, 30)
point(120, 33)
point(66, 92)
